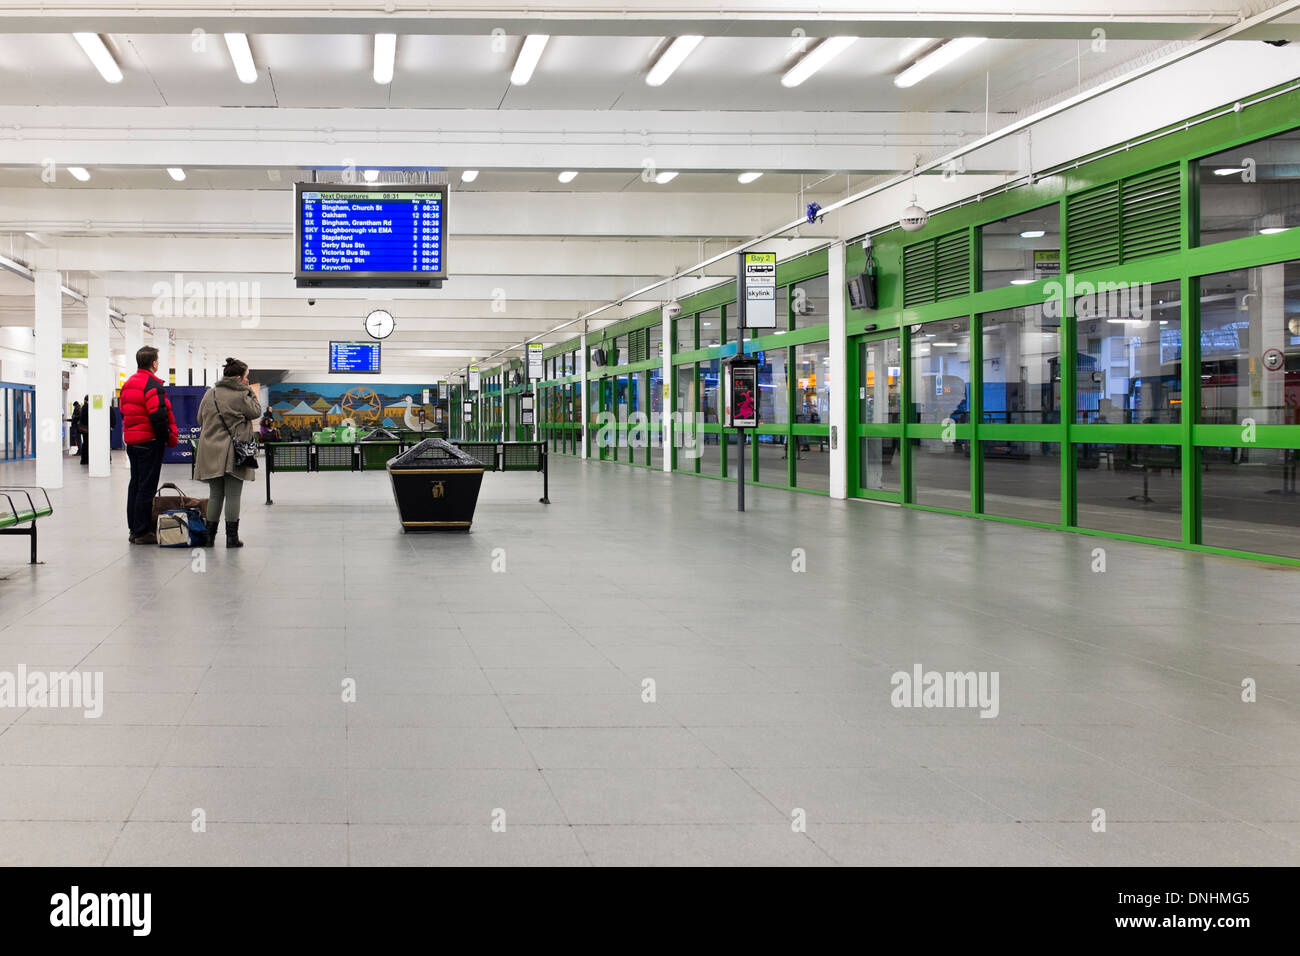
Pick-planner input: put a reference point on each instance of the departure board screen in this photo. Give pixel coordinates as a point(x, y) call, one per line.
point(356, 357)
point(370, 232)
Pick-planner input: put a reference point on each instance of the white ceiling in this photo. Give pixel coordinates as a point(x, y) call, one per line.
point(553, 250)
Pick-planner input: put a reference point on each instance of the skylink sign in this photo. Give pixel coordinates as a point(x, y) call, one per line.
point(756, 290)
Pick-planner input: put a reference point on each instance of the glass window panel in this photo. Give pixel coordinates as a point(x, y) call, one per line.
point(732, 316)
point(1250, 345)
point(879, 463)
point(1022, 367)
point(1249, 500)
point(656, 341)
point(1022, 248)
point(710, 328)
point(1250, 189)
point(685, 332)
point(810, 303)
point(1131, 489)
point(710, 450)
point(772, 462)
point(878, 384)
point(940, 376)
point(710, 392)
point(1129, 354)
point(941, 473)
point(812, 467)
point(620, 350)
point(812, 388)
point(1022, 479)
point(773, 387)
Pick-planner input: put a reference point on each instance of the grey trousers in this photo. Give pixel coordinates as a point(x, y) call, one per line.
point(225, 489)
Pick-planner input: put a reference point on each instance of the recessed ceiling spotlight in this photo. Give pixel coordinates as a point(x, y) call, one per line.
point(469, 175)
point(79, 173)
point(371, 175)
point(746, 178)
point(176, 173)
point(97, 52)
point(568, 176)
point(665, 177)
point(1033, 234)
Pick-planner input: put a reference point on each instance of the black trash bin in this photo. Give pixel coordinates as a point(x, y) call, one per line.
point(435, 485)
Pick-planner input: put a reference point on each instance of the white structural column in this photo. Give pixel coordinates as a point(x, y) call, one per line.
point(100, 384)
point(162, 342)
point(133, 332)
point(839, 372)
point(582, 383)
point(182, 362)
point(668, 399)
point(49, 378)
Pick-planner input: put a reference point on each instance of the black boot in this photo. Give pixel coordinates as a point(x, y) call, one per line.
point(232, 535)
point(211, 528)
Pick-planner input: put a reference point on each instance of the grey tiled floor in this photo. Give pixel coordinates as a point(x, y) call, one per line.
point(481, 692)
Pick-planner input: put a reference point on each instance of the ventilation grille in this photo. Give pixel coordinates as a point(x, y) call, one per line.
point(1130, 219)
point(936, 269)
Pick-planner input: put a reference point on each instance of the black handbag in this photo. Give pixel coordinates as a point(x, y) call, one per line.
point(245, 451)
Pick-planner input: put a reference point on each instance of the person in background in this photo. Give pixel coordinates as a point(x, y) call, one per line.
point(226, 415)
point(148, 426)
point(74, 427)
point(83, 426)
point(267, 428)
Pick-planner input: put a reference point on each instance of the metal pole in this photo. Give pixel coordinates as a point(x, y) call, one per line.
point(740, 469)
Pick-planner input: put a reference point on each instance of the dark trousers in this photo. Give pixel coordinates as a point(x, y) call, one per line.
point(146, 466)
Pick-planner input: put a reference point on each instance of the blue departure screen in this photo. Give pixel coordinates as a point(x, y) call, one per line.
point(354, 357)
point(367, 232)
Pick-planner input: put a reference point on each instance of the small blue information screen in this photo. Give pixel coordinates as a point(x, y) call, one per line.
point(371, 233)
point(355, 357)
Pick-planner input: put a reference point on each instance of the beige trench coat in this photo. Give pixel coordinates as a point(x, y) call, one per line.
point(239, 409)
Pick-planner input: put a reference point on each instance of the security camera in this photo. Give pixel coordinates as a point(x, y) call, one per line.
point(673, 309)
point(311, 301)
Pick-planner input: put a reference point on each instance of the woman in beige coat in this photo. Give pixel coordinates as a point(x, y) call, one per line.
point(226, 415)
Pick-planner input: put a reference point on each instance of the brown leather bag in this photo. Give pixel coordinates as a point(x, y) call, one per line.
point(163, 502)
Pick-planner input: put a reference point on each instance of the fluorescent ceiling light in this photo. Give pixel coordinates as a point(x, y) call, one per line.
point(568, 176)
point(469, 175)
point(529, 54)
point(1022, 281)
point(242, 56)
point(671, 59)
point(1127, 321)
point(176, 173)
point(370, 175)
point(79, 173)
point(932, 62)
point(1272, 230)
point(747, 178)
point(1229, 170)
point(102, 60)
point(665, 177)
point(1033, 234)
point(385, 51)
point(815, 59)
point(944, 345)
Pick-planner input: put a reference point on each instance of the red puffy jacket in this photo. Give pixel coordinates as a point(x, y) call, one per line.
point(147, 411)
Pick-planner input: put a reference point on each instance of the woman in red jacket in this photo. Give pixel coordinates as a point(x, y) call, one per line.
point(148, 426)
